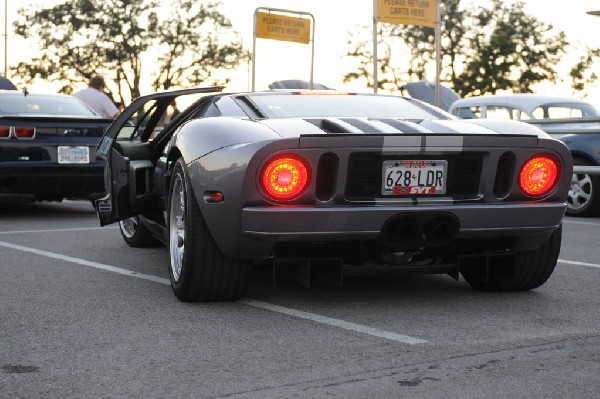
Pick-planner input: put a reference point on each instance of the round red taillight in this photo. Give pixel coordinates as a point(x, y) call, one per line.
point(285, 177)
point(538, 175)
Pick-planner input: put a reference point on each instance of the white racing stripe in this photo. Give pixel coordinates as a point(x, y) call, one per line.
point(262, 305)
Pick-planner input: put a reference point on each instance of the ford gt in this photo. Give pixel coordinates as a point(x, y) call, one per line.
point(317, 181)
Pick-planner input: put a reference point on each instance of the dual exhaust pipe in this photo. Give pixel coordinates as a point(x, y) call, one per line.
point(409, 231)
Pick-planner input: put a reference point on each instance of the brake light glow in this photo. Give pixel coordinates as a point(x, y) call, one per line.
point(4, 132)
point(539, 175)
point(24, 132)
point(285, 177)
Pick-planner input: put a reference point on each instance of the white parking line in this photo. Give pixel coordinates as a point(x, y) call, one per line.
point(84, 262)
point(262, 305)
point(581, 222)
point(335, 322)
point(572, 262)
point(55, 230)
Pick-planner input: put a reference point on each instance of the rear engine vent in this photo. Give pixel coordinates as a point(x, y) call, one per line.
point(326, 175)
point(364, 176)
point(328, 126)
point(463, 174)
point(504, 174)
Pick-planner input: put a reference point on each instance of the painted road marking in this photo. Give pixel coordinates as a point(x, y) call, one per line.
point(335, 322)
point(262, 305)
point(84, 262)
point(55, 230)
point(580, 222)
point(572, 262)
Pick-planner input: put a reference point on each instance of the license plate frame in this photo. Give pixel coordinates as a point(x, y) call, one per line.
point(73, 154)
point(423, 177)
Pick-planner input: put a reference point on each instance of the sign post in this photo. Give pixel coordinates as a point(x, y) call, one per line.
point(281, 26)
point(409, 12)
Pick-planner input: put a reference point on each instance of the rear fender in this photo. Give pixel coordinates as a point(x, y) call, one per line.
point(203, 136)
point(231, 171)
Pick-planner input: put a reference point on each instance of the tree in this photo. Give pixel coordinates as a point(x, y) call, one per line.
point(511, 50)
point(404, 52)
point(129, 41)
point(578, 73)
point(484, 49)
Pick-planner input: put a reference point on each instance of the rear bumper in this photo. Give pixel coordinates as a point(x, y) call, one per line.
point(51, 181)
point(366, 223)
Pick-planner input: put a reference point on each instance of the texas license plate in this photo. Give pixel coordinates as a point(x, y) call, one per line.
point(414, 176)
point(73, 154)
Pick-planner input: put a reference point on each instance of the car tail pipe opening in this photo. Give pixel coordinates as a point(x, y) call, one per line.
point(404, 231)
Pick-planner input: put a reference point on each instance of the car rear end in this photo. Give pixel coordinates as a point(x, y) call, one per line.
point(453, 193)
point(50, 157)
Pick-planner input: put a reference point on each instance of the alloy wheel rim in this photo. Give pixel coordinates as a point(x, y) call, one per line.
point(177, 228)
point(129, 226)
point(580, 192)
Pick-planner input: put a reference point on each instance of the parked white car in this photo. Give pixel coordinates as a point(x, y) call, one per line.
point(574, 122)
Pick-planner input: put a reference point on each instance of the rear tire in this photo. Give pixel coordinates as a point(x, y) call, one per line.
point(136, 234)
point(532, 269)
point(199, 271)
point(584, 193)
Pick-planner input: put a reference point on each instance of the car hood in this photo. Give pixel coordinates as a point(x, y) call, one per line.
point(295, 127)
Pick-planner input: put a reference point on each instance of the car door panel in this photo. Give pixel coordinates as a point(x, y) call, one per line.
point(129, 154)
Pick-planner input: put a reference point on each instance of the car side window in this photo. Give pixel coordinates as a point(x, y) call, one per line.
point(557, 112)
point(564, 112)
point(136, 124)
point(473, 112)
point(501, 112)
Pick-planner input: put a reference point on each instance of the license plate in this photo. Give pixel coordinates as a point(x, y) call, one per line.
point(77, 154)
point(414, 176)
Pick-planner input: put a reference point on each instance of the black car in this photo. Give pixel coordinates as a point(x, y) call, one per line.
point(47, 146)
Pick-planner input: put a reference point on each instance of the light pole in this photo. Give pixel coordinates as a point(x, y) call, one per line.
point(6, 39)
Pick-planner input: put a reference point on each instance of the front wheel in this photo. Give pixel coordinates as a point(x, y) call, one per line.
point(136, 234)
point(199, 271)
point(531, 270)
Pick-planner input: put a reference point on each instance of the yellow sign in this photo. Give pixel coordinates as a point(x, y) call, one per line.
point(282, 27)
point(407, 12)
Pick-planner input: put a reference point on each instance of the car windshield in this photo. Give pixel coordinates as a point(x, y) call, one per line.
point(35, 104)
point(339, 106)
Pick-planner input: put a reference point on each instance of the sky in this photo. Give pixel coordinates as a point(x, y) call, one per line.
point(334, 19)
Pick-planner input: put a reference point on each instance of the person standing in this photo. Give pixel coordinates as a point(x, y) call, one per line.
point(96, 99)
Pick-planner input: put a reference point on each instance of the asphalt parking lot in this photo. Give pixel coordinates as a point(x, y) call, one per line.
point(84, 315)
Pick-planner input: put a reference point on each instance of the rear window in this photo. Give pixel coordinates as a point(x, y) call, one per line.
point(338, 106)
point(33, 104)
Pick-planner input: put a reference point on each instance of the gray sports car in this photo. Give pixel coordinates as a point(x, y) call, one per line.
point(326, 181)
